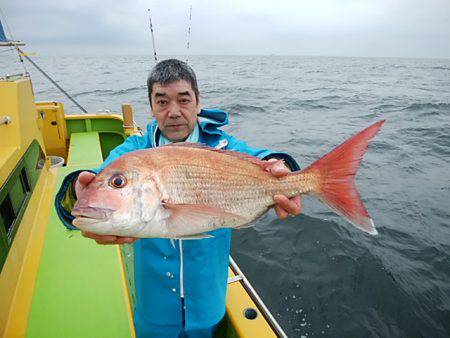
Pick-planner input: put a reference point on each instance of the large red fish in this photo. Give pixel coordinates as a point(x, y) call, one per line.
point(184, 190)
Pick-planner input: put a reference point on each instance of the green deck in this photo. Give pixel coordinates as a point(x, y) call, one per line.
point(79, 289)
point(85, 150)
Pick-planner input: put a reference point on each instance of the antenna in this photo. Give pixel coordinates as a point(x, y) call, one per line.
point(189, 33)
point(153, 36)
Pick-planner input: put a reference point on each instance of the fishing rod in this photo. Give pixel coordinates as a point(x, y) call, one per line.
point(189, 33)
point(153, 36)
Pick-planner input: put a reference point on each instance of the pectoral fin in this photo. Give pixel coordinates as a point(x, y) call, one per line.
point(197, 236)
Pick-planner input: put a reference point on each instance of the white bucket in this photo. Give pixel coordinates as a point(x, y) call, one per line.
point(56, 161)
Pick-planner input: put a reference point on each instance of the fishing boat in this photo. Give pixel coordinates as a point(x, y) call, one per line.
point(54, 282)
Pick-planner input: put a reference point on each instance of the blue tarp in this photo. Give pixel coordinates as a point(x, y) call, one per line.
point(2, 34)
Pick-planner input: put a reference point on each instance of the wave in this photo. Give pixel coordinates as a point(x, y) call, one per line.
point(436, 140)
point(325, 89)
point(108, 92)
point(430, 114)
point(386, 107)
point(238, 108)
point(130, 90)
point(435, 67)
point(440, 68)
point(428, 106)
point(308, 104)
point(332, 97)
point(97, 92)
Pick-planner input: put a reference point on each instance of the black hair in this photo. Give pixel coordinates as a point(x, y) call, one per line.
point(171, 70)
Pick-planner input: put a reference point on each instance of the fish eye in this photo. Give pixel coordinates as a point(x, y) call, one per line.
point(118, 181)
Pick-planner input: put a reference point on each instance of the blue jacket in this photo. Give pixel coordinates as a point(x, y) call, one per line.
point(195, 269)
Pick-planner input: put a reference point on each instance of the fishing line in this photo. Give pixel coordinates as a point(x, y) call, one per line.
point(189, 33)
point(153, 36)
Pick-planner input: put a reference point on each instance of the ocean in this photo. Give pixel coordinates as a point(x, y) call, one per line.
point(318, 274)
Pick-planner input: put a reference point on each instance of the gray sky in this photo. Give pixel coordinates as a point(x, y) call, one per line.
point(405, 28)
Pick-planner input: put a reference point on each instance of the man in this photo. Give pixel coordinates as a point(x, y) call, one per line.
point(180, 291)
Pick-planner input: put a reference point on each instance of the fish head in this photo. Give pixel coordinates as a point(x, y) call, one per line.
point(116, 201)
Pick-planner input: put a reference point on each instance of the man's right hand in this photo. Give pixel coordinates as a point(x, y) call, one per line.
point(108, 239)
point(84, 178)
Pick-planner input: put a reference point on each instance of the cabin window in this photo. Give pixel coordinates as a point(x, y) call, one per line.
point(15, 194)
point(24, 179)
point(14, 200)
point(7, 213)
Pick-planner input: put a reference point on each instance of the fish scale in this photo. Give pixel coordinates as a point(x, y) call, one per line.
point(231, 184)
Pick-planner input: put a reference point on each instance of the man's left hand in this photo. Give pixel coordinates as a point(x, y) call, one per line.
point(284, 206)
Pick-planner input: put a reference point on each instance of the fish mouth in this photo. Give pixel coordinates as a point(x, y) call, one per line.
point(89, 215)
point(81, 221)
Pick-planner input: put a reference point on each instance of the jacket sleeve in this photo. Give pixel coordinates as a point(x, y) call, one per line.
point(65, 198)
point(264, 154)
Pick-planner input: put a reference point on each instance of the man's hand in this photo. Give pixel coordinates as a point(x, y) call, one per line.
point(84, 178)
point(108, 239)
point(284, 206)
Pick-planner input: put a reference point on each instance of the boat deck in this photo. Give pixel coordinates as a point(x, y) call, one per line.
point(63, 288)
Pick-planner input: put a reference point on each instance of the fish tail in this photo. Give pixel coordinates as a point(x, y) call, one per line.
point(335, 174)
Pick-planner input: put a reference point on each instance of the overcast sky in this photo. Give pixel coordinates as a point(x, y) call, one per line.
point(405, 28)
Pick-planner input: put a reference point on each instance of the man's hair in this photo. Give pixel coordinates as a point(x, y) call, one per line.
point(171, 70)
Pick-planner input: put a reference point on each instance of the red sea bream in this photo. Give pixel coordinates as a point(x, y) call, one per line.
point(184, 190)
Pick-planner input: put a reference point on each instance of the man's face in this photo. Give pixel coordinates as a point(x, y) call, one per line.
point(175, 108)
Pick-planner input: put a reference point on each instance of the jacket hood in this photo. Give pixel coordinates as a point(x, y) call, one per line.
point(211, 119)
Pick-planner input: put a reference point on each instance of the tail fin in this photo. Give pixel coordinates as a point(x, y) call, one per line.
point(337, 171)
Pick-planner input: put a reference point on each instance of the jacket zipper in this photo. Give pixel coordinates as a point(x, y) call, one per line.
point(183, 305)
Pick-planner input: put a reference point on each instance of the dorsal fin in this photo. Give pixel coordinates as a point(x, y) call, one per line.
point(250, 158)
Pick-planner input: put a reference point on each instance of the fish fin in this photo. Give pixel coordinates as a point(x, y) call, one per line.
point(197, 236)
point(250, 158)
point(336, 171)
point(184, 215)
